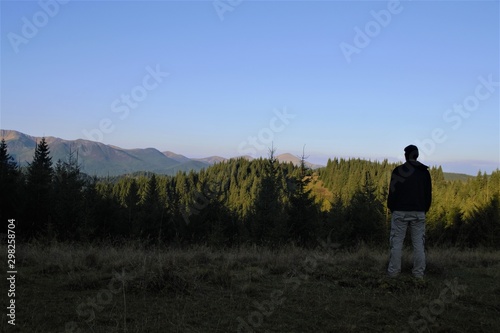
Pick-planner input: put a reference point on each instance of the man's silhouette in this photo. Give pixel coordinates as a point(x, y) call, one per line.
point(409, 199)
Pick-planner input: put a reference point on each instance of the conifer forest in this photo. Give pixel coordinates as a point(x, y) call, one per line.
point(261, 202)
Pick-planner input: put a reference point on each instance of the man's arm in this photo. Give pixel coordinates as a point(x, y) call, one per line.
point(392, 189)
point(428, 191)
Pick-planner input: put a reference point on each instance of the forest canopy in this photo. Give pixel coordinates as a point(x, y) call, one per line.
point(238, 201)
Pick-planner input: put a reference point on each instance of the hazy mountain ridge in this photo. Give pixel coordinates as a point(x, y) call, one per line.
point(97, 158)
point(100, 159)
point(178, 157)
point(211, 159)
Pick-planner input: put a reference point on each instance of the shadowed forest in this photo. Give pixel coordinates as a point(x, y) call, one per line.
point(261, 202)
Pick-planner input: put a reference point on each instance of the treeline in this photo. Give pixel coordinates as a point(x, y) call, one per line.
point(239, 201)
point(463, 213)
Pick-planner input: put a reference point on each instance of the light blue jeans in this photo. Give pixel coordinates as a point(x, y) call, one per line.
point(399, 222)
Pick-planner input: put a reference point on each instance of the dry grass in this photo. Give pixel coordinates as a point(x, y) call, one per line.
point(132, 288)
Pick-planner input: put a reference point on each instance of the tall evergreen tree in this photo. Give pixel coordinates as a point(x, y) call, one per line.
point(39, 194)
point(303, 212)
point(482, 228)
point(67, 197)
point(366, 214)
point(10, 184)
point(131, 202)
point(152, 212)
point(7, 164)
point(269, 220)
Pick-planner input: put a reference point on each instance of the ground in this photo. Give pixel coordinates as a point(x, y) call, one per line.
point(130, 288)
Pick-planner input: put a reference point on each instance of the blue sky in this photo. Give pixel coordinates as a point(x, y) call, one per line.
point(227, 78)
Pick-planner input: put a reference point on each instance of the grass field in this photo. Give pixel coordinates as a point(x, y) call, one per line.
point(129, 288)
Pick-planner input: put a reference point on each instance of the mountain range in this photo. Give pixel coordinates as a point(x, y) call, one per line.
point(96, 158)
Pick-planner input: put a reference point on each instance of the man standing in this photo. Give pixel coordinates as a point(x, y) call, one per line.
point(409, 198)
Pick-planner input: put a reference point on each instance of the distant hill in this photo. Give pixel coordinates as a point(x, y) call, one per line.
point(456, 176)
point(100, 159)
point(211, 160)
point(179, 158)
point(296, 160)
point(97, 158)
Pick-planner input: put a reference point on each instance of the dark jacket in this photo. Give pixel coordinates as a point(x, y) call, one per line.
point(410, 188)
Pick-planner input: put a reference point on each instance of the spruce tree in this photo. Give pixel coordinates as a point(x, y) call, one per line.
point(67, 197)
point(152, 212)
point(10, 185)
point(7, 164)
point(131, 202)
point(269, 220)
point(39, 194)
point(303, 211)
point(366, 214)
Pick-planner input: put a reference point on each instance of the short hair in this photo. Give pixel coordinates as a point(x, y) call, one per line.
point(411, 152)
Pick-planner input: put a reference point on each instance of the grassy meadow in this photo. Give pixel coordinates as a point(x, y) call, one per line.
point(65, 287)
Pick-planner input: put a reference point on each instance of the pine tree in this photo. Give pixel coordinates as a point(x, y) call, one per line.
point(303, 212)
point(39, 196)
point(7, 164)
point(268, 222)
point(106, 212)
point(482, 227)
point(10, 184)
point(67, 197)
point(335, 228)
point(152, 212)
point(92, 201)
point(131, 202)
point(366, 214)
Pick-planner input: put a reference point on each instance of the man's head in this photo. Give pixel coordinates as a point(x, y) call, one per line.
point(411, 153)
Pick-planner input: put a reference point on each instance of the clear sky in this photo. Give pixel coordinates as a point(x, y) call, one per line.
point(227, 78)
